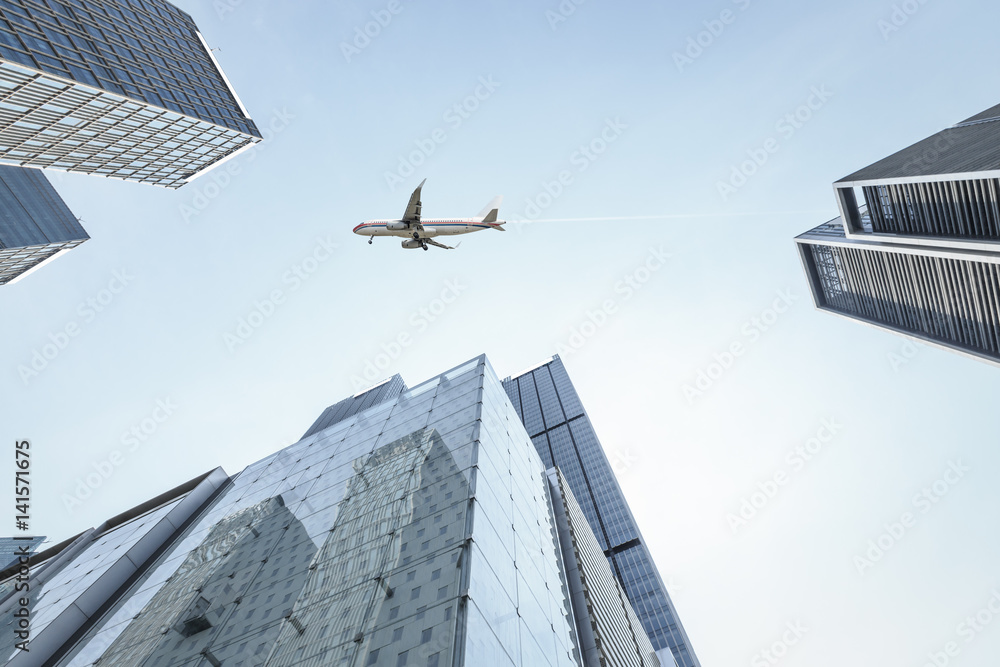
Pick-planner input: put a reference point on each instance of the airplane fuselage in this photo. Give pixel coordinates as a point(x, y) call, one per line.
point(431, 228)
point(420, 232)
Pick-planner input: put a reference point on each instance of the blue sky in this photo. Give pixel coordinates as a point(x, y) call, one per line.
point(275, 239)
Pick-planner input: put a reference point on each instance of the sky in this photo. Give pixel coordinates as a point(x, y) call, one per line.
point(215, 322)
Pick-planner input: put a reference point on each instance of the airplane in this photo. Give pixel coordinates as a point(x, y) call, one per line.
point(419, 233)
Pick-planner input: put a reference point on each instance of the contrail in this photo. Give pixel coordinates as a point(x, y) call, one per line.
point(667, 216)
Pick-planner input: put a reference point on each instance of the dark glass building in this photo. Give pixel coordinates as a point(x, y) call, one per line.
point(553, 415)
point(916, 250)
point(13, 548)
point(122, 89)
point(35, 223)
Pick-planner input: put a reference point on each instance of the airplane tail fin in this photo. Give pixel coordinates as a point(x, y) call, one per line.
point(489, 214)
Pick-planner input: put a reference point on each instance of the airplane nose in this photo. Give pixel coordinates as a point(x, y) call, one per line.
point(358, 227)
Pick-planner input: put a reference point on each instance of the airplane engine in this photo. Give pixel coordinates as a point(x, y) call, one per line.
point(412, 244)
point(397, 226)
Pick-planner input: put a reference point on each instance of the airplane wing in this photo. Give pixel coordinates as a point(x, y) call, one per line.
point(440, 245)
point(412, 213)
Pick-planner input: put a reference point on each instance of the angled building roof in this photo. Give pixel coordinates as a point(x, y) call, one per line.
point(338, 412)
point(972, 146)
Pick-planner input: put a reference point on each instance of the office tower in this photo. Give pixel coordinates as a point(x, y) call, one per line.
point(553, 415)
point(127, 90)
point(421, 530)
point(349, 407)
point(13, 548)
point(35, 223)
point(614, 634)
point(915, 249)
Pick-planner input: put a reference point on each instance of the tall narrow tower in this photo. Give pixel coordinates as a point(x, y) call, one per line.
point(553, 415)
point(916, 250)
point(35, 223)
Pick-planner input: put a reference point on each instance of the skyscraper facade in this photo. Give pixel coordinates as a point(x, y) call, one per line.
point(127, 90)
point(553, 415)
point(420, 530)
point(35, 223)
point(12, 549)
point(916, 250)
point(609, 631)
point(380, 393)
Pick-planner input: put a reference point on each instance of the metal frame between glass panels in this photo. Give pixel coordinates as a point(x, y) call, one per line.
point(50, 123)
point(954, 301)
point(15, 262)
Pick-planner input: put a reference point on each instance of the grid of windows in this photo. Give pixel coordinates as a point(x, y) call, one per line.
point(16, 261)
point(614, 635)
point(31, 212)
point(416, 532)
point(52, 595)
point(12, 549)
point(35, 223)
point(48, 123)
point(419, 531)
point(124, 90)
point(553, 415)
point(145, 50)
point(349, 407)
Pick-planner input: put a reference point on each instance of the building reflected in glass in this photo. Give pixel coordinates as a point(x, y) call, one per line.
point(421, 529)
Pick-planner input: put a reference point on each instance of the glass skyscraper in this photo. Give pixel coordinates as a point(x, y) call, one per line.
point(553, 415)
point(418, 529)
point(13, 548)
point(35, 223)
point(349, 407)
point(916, 250)
point(121, 89)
